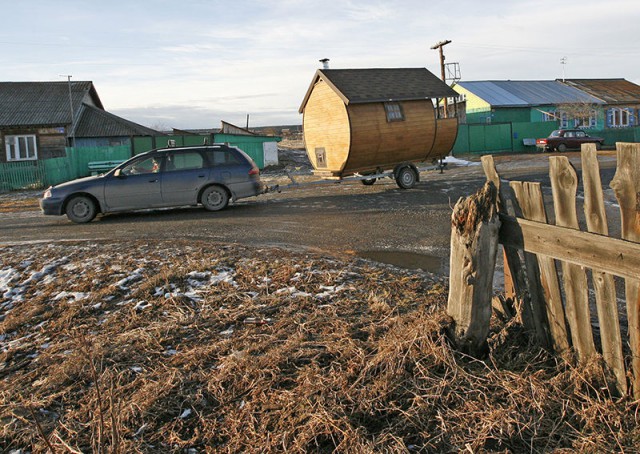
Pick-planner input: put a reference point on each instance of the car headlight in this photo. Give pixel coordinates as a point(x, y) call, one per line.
point(47, 194)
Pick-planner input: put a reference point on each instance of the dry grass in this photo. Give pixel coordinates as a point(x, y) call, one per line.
point(292, 352)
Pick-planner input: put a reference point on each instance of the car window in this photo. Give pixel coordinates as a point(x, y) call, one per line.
point(142, 166)
point(581, 134)
point(184, 161)
point(569, 134)
point(555, 134)
point(222, 157)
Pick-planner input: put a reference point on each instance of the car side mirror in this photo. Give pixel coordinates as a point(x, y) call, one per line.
point(118, 173)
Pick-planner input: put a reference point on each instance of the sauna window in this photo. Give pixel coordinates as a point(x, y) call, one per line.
point(394, 111)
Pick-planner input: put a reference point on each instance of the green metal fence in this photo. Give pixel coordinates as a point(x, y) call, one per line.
point(22, 175)
point(43, 173)
point(519, 137)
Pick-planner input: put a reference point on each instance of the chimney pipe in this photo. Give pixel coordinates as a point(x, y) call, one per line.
point(325, 63)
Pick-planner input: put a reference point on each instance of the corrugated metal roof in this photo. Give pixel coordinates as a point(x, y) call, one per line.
point(42, 103)
point(381, 84)
point(96, 122)
point(612, 91)
point(525, 93)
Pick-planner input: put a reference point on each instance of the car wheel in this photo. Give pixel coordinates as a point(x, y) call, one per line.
point(562, 148)
point(406, 177)
point(215, 198)
point(598, 146)
point(81, 209)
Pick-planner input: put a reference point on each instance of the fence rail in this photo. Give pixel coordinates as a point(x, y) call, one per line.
point(549, 267)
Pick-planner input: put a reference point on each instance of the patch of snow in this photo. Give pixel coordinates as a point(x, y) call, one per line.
point(71, 295)
point(141, 305)
point(459, 162)
point(227, 332)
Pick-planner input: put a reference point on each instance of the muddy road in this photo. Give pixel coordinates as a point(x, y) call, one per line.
point(409, 228)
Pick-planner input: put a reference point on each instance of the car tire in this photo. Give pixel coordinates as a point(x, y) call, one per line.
point(598, 146)
point(214, 198)
point(561, 148)
point(81, 209)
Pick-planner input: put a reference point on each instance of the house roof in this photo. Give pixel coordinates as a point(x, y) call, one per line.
point(612, 91)
point(381, 84)
point(526, 93)
point(95, 122)
point(43, 103)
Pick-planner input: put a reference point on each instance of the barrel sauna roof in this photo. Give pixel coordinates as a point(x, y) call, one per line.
point(381, 85)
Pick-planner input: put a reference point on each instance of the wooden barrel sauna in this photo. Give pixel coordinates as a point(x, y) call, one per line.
point(363, 120)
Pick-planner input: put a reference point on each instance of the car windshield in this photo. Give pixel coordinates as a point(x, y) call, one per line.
point(555, 134)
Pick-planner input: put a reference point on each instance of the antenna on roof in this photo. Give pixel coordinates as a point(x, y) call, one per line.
point(325, 63)
point(563, 62)
point(72, 138)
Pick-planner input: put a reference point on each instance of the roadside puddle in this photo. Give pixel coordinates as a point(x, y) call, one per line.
point(403, 259)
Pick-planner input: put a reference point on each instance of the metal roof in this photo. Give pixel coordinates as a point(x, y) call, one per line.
point(526, 93)
point(381, 84)
point(94, 122)
point(613, 91)
point(43, 103)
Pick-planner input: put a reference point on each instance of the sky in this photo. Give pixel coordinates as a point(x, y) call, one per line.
point(192, 63)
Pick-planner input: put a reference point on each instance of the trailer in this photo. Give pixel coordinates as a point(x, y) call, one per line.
point(406, 175)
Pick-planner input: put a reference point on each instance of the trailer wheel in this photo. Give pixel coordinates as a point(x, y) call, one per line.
point(406, 177)
point(368, 181)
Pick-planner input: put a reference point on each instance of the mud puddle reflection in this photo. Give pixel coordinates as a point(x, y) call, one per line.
point(403, 259)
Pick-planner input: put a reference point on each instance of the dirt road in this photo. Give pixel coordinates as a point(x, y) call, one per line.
point(382, 222)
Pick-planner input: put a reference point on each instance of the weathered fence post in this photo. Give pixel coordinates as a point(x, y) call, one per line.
point(626, 185)
point(564, 185)
point(542, 269)
point(603, 283)
point(474, 244)
point(529, 299)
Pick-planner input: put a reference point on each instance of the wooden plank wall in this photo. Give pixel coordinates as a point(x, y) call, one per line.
point(563, 247)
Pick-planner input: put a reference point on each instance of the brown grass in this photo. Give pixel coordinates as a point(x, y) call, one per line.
point(367, 368)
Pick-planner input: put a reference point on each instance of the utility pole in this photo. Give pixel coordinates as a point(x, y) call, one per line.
point(439, 46)
point(71, 136)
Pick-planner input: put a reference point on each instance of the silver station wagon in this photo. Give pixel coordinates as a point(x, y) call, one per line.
point(169, 177)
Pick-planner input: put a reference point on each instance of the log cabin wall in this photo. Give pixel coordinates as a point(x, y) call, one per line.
point(375, 142)
point(326, 126)
point(446, 135)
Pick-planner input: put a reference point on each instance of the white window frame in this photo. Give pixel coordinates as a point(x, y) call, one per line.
point(620, 117)
point(14, 151)
point(564, 120)
point(549, 116)
point(586, 122)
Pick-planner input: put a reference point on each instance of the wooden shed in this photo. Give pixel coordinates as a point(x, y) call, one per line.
point(366, 120)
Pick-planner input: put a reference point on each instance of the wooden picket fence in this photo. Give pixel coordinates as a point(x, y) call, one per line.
point(556, 306)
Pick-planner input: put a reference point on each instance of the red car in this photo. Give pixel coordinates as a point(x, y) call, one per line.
point(564, 139)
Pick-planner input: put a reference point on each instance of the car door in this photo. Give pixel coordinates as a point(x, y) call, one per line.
point(136, 186)
point(231, 170)
point(184, 174)
point(581, 137)
point(570, 139)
